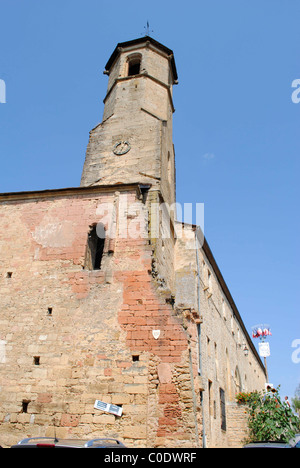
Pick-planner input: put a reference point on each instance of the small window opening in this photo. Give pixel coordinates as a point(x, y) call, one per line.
point(36, 360)
point(169, 167)
point(144, 191)
point(223, 410)
point(210, 398)
point(171, 301)
point(134, 66)
point(209, 279)
point(49, 311)
point(208, 347)
point(95, 247)
point(9, 274)
point(25, 404)
point(135, 358)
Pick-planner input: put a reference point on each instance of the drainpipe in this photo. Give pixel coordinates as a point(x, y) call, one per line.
point(199, 338)
point(194, 398)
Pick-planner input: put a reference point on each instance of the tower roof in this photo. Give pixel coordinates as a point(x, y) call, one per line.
point(146, 39)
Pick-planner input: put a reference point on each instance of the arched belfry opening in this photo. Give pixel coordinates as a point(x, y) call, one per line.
point(134, 62)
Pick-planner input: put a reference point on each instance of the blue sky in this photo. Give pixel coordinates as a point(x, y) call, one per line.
point(236, 129)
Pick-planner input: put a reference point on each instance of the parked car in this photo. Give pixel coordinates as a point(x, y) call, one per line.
point(271, 445)
point(293, 443)
point(49, 442)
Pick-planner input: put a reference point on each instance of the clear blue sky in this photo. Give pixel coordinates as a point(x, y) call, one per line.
point(236, 129)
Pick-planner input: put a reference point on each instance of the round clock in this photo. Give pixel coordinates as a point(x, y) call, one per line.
point(122, 147)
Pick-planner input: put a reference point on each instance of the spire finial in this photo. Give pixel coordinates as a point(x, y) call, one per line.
point(148, 31)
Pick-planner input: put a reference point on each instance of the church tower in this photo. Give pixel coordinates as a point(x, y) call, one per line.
point(133, 144)
point(120, 326)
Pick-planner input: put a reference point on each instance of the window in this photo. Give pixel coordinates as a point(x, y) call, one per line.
point(134, 65)
point(25, 404)
point(209, 279)
point(232, 324)
point(199, 349)
point(169, 168)
point(223, 409)
point(210, 397)
point(228, 373)
point(216, 361)
point(95, 247)
point(208, 347)
point(238, 380)
point(238, 337)
point(224, 310)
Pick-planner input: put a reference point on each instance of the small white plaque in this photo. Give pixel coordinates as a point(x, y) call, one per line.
point(108, 408)
point(156, 334)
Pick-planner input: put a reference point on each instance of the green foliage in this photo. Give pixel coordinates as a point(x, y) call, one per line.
point(269, 418)
point(244, 397)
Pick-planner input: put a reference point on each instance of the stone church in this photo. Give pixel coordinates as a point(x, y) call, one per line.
point(115, 319)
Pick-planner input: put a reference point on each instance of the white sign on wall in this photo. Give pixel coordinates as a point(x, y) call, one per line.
point(108, 408)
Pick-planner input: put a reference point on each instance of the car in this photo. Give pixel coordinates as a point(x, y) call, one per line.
point(293, 443)
point(272, 445)
point(53, 442)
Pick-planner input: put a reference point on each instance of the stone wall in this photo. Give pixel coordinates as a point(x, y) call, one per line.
point(70, 336)
point(237, 425)
point(156, 330)
point(224, 365)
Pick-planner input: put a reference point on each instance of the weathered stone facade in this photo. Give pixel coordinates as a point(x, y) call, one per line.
point(153, 327)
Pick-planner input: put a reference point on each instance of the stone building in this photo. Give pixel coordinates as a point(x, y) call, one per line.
point(105, 296)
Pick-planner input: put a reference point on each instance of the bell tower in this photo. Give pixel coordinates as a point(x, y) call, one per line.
point(134, 141)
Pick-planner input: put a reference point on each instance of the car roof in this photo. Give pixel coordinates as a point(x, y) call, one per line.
point(68, 443)
point(295, 440)
point(268, 445)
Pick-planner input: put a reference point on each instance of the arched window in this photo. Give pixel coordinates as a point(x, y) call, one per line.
point(238, 380)
point(134, 64)
point(228, 373)
point(169, 168)
point(95, 247)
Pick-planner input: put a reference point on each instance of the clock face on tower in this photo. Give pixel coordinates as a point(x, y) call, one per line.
point(122, 147)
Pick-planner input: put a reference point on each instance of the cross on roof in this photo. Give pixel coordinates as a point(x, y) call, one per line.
point(147, 29)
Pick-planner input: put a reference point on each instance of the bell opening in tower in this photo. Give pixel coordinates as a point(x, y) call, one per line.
point(134, 66)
